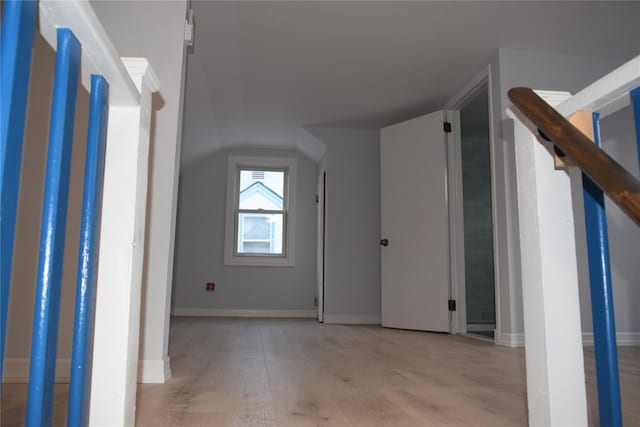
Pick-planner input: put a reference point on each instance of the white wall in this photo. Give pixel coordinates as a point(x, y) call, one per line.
point(546, 71)
point(200, 246)
point(155, 30)
point(352, 283)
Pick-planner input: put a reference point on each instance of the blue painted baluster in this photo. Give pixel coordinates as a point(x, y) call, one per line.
point(604, 328)
point(81, 358)
point(16, 40)
point(635, 101)
point(52, 232)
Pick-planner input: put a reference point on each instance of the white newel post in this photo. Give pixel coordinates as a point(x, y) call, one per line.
point(553, 336)
point(117, 322)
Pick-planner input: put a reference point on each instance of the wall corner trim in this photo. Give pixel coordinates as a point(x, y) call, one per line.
point(154, 371)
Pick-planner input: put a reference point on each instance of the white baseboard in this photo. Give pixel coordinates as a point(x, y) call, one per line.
point(17, 371)
point(230, 312)
point(480, 327)
point(154, 371)
point(149, 371)
point(352, 319)
point(622, 338)
point(508, 339)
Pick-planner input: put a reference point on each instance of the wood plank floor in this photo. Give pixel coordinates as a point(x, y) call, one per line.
point(296, 372)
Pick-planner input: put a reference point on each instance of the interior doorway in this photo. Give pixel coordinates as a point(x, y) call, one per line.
point(477, 212)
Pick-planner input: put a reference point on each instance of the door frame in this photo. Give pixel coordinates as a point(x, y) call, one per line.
point(456, 219)
point(321, 267)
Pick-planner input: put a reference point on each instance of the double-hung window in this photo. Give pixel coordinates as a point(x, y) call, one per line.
point(260, 216)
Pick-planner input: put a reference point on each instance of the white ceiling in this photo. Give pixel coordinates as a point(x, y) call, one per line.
point(260, 72)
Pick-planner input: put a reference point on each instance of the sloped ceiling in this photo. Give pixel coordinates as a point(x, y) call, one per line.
point(261, 72)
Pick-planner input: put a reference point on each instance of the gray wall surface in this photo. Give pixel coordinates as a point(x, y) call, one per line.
point(478, 236)
point(353, 221)
point(155, 30)
point(538, 70)
point(200, 243)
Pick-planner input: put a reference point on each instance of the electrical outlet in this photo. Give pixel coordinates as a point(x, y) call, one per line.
point(211, 286)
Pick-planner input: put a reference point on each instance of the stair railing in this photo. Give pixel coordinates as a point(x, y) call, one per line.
point(601, 174)
point(118, 117)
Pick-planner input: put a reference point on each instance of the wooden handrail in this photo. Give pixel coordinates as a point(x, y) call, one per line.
point(609, 175)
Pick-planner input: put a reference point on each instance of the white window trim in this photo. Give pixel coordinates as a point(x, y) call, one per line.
point(235, 162)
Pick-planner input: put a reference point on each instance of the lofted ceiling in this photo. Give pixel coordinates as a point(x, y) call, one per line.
point(260, 73)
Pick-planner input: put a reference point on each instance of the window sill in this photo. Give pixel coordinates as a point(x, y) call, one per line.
point(259, 261)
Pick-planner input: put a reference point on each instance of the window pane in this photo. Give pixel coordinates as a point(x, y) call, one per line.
point(256, 227)
point(260, 189)
point(260, 233)
point(256, 247)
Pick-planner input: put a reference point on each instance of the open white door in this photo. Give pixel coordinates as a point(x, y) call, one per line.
point(415, 225)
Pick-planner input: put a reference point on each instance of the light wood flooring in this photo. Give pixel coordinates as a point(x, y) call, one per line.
point(296, 372)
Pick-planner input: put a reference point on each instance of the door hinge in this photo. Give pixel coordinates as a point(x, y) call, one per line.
point(447, 127)
point(317, 199)
point(452, 305)
point(315, 301)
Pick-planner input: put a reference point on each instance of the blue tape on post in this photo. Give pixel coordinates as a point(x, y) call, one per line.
point(81, 358)
point(16, 40)
point(52, 232)
point(604, 329)
point(635, 101)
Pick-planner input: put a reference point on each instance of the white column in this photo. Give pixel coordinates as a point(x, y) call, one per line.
point(163, 196)
point(553, 340)
point(115, 352)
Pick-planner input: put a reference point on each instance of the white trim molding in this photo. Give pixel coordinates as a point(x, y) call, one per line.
point(138, 69)
point(352, 319)
point(606, 95)
point(509, 339)
point(99, 56)
point(149, 371)
point(622, 338)
point(232, 312)
point(233, 164)
point(17, 371)
point(154, 371)
point(458, 286)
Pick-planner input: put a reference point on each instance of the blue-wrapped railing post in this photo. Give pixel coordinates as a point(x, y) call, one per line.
point(52, 232)
point(16, 40)
point(80, 383)
point(604, 328)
